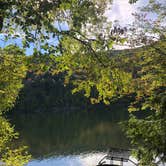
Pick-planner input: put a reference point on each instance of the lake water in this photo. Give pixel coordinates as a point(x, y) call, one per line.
point(78, 138)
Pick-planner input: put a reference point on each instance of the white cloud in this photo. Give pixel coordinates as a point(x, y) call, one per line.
point(121, 10)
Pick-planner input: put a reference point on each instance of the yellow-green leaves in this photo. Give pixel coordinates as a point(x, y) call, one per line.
point(11, 156)
point(85, 71)
point(138, 71)
point(12, 72)
point(16, 157)
point(6, 132)
point(148, 134)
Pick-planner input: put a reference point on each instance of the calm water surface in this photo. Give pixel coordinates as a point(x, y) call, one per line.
point(77, 138)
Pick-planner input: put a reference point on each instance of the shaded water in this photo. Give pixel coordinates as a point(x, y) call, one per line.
point(70, 139)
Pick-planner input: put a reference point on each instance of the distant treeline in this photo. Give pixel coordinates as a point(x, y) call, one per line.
point(47, 92)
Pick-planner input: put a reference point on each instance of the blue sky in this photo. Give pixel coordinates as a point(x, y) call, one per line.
point(17, 42)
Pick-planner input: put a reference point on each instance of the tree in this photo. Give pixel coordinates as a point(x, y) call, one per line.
point(148, 135)
point(40, 21)
point(10, 156)
point(12, 71)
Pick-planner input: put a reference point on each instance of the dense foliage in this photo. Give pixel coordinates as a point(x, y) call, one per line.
point(46, 92)
point(12, 71)
point(148, 135)
point(11, 156)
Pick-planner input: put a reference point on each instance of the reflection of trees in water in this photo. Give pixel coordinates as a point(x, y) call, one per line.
point(77, 132)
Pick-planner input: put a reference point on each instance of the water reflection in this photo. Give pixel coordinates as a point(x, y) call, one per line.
point(51, 134)
point(90, 159)
point(76, 138)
